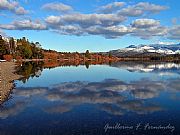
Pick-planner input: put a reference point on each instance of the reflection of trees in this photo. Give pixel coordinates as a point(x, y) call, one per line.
point(87, 63)
point(29, 69)
point(33, 69)
point(63, 63)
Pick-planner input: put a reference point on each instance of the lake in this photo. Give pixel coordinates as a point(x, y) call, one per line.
point(120, 98)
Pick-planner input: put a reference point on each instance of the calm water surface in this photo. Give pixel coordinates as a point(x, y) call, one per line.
point(123, 98)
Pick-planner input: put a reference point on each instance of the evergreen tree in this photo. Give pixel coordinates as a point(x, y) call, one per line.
point(3, 47)
point(87, 54)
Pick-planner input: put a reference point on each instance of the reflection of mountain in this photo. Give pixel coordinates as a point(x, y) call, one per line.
point(112, 96)
point(34, 69)
point(163, 67)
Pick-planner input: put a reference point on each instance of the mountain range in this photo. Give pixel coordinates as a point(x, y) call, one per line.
point(152, 49)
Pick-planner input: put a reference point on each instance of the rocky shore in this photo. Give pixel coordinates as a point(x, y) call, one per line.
point(7, 76)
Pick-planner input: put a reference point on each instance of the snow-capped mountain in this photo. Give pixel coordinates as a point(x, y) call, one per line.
point(148, 49)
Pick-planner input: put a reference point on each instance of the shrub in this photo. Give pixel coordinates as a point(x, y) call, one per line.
point(7, 57)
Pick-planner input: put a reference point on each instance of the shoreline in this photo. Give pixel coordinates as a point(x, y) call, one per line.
point(111, 60)
point(7, 77)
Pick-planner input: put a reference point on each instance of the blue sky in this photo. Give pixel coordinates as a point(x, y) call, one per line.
point(96, 25)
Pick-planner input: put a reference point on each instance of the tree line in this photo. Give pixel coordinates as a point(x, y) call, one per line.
point(23, 49)
point(20, 49)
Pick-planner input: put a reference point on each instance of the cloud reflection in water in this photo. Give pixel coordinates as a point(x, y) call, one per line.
point(112, 96)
